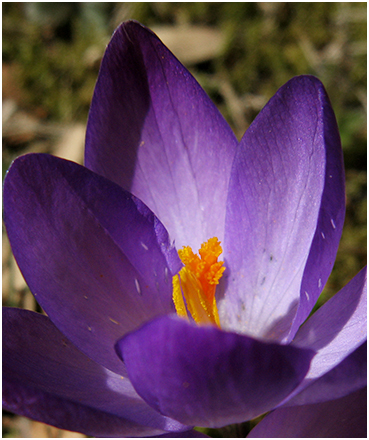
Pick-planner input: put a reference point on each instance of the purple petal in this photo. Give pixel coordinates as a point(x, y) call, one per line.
point(94, 256)
point(206, 377)
point(348, 376)
point(185, 434)
point(153, 130)
point(341, 418)
point(47, 379)
point(336, 329)
point(43, 407)
point(285, 212)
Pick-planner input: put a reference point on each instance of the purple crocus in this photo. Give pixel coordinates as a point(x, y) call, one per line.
point(142, 336)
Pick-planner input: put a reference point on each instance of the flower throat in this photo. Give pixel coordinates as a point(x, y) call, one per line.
point(194, 286)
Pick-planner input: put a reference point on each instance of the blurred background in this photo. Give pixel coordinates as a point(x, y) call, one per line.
point(241, 53)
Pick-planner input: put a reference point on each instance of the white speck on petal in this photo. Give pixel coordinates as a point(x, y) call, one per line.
point(307, 296)
point(333, 223)
point(144, 246)
point(320, 282)
point(322, 233)
point(138, 288)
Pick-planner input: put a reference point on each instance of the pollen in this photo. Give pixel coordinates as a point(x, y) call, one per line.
point(194, 287)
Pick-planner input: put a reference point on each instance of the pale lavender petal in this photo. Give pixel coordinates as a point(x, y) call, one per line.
point(96, 259)
point(203, 376)
point(336, 329)
point(342, 418)
point(154, 131)
point(47, 378)
point(285, 213)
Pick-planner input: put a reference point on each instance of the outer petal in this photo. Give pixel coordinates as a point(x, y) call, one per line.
point(46, 378)
point(97, 260)
point(185, 434)
point(347, 377)
point(335, 331)
point(154, 131)
point(206, 377)
point(341, 418)
point(285, 212)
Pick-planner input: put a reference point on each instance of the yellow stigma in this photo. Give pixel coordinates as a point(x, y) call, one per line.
point(194, 286)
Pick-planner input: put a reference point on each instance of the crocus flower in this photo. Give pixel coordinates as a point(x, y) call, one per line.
point(144, 336)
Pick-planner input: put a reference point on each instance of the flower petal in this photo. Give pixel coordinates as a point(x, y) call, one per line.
point(185, 434)
point(95, 257)
point(206, 377)
point(154, 131)
point(285, 213)
point(347, 377)
point(336, 329)
point(341, 418)
point(46, 378)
